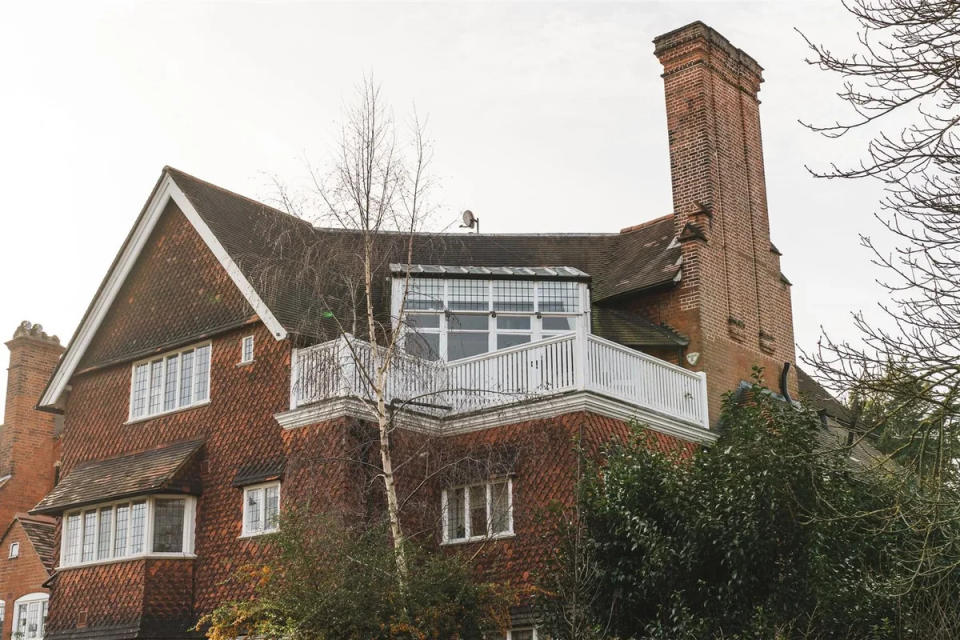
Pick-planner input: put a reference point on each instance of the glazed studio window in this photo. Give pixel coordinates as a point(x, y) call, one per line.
point(170, 382)
point(155, 525)
point(451, 319)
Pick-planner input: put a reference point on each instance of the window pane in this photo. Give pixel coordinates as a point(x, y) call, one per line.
point(423, 320)
point(254, 509)
point(202, 374)
point(74, 525)
point(558, 324)
point(464, 345)
point(424, 294)
point(170, 386)
point(468, 322)
point(89, 535)
point(505, 340)
point(141, 379)
point(43, 618)
point(559, 297)
point(168, 525)
point(106, 522)
point(423, 345)
point(478, 510)
point(517, 323)
point(156, 386)
point(247, 354)
point(499, 507)
point(186, 378)
point(271, 507)
point(512, 295)
point(120, 537)
point(456, 527)
point(138, 521)
point(468, 295)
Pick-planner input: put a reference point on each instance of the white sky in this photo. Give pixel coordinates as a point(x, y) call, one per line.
point(545, 117)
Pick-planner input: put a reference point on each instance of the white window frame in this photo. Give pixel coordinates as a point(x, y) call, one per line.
point(536, 332)
point(469, 535)
point(164, 359)
point(247, 354)
point(263, 530)
point(28, 599)
point(512, 631)
point(3, 612)
point(14, 551)
point(189, 525)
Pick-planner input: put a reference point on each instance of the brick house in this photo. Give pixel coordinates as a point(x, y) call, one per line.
point(203, 387)
point(29, 455)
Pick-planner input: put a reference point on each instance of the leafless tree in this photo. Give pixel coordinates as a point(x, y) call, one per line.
point(902, 86)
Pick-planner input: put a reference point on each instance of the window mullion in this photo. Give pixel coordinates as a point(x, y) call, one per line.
point(489, 521)
point(467, 529)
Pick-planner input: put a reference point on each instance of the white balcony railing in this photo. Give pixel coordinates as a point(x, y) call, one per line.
point(346, 367)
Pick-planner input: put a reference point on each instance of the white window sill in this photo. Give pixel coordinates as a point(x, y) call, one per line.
point(497, 536)
point(246, 362)
point(256, 534)
point(167, 413)
point(139, 556)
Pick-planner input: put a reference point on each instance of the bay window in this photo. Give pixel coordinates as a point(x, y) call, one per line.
point(169, 382)
point(478, 511)
point(155, 525)
point(451, 318)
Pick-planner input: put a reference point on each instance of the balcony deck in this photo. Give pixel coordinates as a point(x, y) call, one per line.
point(343, 369)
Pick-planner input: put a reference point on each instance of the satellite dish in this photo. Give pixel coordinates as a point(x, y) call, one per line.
point(470, 221)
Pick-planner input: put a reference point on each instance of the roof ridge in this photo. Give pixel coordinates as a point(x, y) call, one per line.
point(172, 170)
point(644, 225)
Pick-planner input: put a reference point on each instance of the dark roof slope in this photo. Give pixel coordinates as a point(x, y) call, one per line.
point(272, 248)
point(146, 472)
point(633, 330)
point(41, 531)
point(820, 399)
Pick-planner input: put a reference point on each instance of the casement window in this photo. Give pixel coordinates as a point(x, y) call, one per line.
point(520, 633)
point(3, 612)
point(155, 525)
point(246, 350)
point(30, 616)
point(261, 508)
point(14, 551)
point(450, 319)
point(169, 382)
point(478, 511)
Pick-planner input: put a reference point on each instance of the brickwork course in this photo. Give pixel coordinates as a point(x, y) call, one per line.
point(700, 286)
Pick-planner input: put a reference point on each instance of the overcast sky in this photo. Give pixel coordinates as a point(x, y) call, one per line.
point(546, 117)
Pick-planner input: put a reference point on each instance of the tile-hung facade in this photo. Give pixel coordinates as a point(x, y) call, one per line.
point(204, 392)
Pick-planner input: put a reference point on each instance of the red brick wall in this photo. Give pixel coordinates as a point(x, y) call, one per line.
point(18, 576)
point(29, 447)
point(731, 301)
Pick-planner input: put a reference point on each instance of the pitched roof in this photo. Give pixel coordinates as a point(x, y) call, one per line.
point(147, 472)
point(633, 330)
point(821, 399)
point(266, 252)
point(41, 531)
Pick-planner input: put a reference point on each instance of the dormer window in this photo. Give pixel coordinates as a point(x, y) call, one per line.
point(450, 317)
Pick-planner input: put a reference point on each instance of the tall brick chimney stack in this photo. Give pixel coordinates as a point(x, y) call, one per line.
point(734, 300)
point(29, 443)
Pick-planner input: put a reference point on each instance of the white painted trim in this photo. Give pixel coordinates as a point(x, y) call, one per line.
point(14, 550)
point(166, 190)
point(524, 411)
point(244, 532)
point(37, 596)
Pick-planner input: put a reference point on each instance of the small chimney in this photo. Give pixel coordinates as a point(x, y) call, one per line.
point(29, 447)
point(736, 301)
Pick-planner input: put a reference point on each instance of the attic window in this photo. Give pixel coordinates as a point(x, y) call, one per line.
point(14, 550)
point(246, 350)
point(170, 382)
